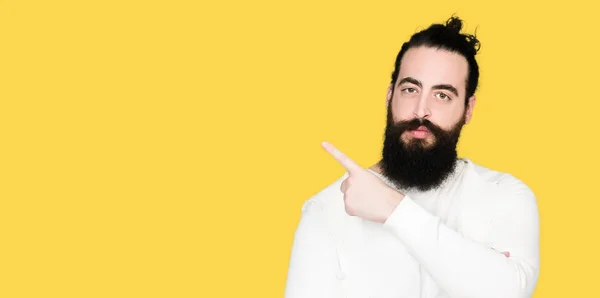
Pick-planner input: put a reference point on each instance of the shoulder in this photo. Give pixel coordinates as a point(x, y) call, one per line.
point(506, 190)
point(500, 181)
point(326, 200)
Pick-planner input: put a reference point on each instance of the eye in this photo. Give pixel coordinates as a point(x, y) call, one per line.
point(409, 90)
point(443, 96)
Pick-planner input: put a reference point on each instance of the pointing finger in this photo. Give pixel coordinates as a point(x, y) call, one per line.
point(351, 166)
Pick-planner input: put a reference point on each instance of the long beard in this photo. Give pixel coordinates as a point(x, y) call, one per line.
point(416, 165)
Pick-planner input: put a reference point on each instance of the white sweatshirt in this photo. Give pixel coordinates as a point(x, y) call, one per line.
point(443, 243)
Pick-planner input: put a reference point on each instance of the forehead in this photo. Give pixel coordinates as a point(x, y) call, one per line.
point(434, 66)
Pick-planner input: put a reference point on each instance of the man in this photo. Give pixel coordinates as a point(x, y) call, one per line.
point(421, 222)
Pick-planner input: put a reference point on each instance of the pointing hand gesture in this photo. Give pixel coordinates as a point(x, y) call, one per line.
point(365, 195)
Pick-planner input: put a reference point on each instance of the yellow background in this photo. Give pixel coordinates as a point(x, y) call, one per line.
point(164, 148)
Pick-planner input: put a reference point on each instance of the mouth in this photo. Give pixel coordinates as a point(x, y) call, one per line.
point(420, 133)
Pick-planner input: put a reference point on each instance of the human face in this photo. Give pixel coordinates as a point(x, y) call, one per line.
point(431, 85)
point(425, 118)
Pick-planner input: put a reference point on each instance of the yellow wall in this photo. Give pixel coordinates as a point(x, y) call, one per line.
point(164, 148)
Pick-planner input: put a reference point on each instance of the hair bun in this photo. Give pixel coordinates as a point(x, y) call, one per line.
point(454, 24)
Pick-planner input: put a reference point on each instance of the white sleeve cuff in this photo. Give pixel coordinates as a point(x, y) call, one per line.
point(408, 220)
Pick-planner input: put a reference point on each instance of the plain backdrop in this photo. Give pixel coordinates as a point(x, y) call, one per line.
point(164, 148)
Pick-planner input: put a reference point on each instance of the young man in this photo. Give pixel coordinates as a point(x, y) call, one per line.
point(421, 222)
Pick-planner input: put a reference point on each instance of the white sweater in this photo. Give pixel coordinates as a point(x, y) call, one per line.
point(443, 243)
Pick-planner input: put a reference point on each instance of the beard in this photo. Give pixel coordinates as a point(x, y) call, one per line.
point(417, 164)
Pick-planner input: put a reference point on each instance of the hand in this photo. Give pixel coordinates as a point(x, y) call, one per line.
point(365, 195)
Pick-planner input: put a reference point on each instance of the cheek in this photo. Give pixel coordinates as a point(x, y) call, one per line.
point(447, 117)
point(402, 109)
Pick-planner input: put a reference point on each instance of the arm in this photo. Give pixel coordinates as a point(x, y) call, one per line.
point(310, 272)
point(464, 268)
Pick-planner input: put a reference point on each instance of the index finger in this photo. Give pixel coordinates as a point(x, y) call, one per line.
point(351, 166)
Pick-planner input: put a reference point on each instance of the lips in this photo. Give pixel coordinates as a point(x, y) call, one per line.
point(420, 132)
point(421, 128)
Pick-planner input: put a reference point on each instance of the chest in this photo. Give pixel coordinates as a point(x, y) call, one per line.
point(375, 263)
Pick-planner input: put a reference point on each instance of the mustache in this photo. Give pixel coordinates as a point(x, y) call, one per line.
point(415, 123)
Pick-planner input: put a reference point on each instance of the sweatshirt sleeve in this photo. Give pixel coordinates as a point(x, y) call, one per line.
point(465, 268)
point(311, 272)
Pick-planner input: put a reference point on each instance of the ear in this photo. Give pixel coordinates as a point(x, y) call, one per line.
point(389, 94)
point(470, 107)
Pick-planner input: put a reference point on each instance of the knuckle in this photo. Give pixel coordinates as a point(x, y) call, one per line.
point(344, 186)
point(349, 209)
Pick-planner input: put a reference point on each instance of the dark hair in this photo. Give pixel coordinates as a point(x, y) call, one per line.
point(447, 37)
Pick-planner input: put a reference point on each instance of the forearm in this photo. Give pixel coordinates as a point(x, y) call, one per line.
point(462, 267)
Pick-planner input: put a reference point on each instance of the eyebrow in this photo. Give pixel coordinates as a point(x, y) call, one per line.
point(410, 80)
point(446, 87)
point(414, 81)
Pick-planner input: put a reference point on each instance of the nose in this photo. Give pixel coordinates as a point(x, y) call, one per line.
point(422, 109)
